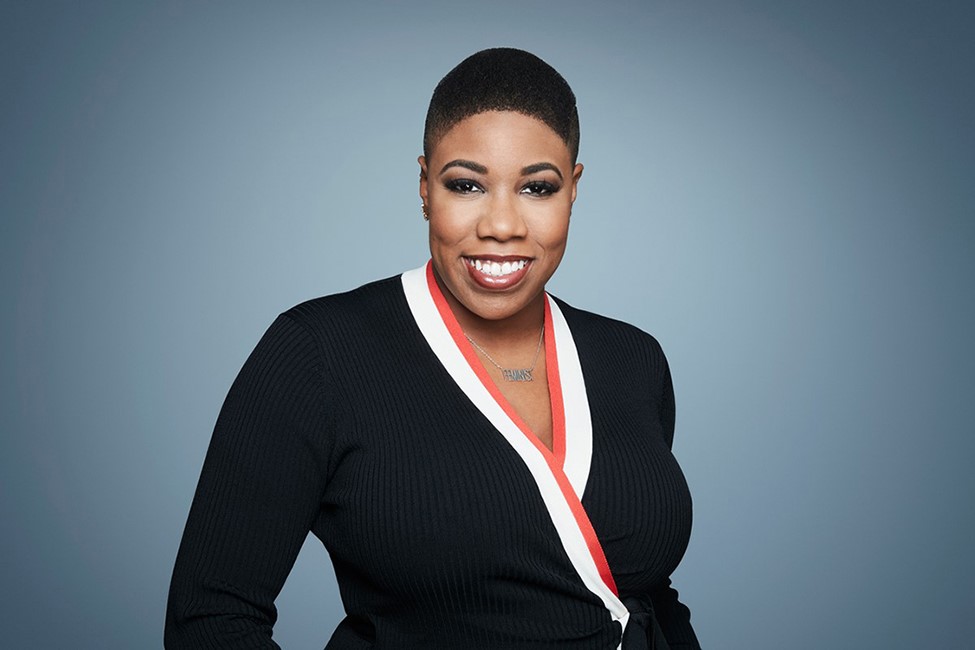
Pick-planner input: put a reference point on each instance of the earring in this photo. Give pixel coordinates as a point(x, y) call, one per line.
point(423, 209)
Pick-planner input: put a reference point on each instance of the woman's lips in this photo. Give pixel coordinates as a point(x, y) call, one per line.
point(497, 273)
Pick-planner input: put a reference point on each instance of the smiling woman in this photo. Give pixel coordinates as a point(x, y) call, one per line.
point(499, 219)
point(526, 496)
point(499, 204)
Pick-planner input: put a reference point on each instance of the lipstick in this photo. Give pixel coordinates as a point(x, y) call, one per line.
point(497, 272)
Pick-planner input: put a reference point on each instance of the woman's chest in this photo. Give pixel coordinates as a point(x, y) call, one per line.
point(429, 486)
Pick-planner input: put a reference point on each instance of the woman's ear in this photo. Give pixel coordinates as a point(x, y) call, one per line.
point(423, 179)
point(576, 175)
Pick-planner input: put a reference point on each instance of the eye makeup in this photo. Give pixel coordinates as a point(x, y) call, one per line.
point(462, 186)
point(540, 188)
point(537, 188)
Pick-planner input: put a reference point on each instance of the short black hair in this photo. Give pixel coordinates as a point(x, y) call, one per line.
point(503, 79)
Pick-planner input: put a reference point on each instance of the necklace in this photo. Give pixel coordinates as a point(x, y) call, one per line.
point(512, 374)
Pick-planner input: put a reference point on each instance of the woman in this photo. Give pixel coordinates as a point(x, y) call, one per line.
point(486, 466)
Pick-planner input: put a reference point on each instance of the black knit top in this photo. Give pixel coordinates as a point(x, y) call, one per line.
point(343, 422)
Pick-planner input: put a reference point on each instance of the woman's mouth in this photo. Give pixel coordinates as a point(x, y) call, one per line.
point(497, 273)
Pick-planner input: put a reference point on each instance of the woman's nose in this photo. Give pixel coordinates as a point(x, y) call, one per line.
point(501, 220)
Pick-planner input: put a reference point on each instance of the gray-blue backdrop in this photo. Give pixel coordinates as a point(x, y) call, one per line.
point(782, 192)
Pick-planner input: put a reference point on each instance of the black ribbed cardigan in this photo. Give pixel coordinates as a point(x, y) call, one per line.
point(344, 423)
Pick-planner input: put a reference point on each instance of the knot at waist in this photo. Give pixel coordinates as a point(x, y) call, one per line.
point(642, 630)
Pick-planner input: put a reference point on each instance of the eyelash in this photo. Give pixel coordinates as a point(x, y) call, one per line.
point(540, 188)
point(533, 188)
point(463, 186)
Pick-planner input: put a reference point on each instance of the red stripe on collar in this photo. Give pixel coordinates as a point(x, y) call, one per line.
point(554, 458)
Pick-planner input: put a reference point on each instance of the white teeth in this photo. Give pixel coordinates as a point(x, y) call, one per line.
point(497, 269)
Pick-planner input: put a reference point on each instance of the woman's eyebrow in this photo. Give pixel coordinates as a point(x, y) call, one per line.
point(538, 167)
point(466, 164)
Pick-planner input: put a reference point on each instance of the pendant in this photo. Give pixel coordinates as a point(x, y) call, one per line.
point(517, 374)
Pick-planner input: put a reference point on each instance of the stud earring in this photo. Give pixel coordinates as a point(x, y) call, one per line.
point(423, 209)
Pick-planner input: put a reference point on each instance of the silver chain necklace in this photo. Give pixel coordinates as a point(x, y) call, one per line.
point(512, 374)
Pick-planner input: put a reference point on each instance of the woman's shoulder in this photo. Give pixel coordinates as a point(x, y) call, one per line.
point(370, 303)
point(606, 331)
point(610, 347)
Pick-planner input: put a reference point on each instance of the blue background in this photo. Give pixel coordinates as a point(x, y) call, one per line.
point(783, 193)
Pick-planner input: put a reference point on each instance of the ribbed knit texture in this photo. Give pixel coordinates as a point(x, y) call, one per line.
point(343, 422)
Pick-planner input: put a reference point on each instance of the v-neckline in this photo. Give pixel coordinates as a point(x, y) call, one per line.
point(555, 455)
point(561, 475)
point(571, 454)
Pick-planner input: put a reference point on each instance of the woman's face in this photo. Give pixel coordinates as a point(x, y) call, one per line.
point(499, 188)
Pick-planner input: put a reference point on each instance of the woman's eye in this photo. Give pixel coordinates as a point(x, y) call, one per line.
point(463, 186)
point(539, 188)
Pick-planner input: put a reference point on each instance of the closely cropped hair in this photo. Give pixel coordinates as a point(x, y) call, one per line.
point(503, 79)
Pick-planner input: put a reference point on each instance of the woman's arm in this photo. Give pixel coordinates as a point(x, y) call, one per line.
point(258, 494)
point(673, 617)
